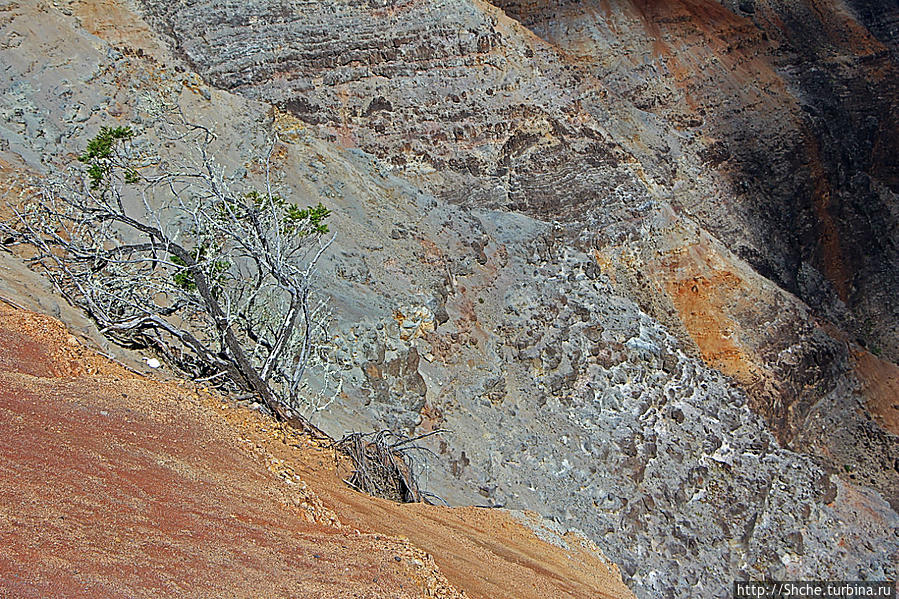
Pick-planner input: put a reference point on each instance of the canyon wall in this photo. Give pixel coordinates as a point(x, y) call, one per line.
point(639, 257)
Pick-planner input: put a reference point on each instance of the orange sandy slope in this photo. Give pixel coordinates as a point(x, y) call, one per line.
point(114, 485)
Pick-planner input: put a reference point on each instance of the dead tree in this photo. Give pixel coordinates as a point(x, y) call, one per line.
point(162, 252)
point(384, 465)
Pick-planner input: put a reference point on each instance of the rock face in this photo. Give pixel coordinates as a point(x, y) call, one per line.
point(772, 127)
point(630, 253)
point(773, 124)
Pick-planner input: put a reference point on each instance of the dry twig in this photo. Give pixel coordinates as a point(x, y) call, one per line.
point(384, 464)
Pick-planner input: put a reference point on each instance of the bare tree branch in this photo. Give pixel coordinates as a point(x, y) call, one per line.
point(161, 253)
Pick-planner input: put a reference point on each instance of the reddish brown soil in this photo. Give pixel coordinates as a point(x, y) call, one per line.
point(486, 552)
point(115, 486)
point(112, 485)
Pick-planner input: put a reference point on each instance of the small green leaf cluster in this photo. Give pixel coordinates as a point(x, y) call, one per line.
point(314, 215)
point(293, 217)
point(185, 280)
point(99, 152)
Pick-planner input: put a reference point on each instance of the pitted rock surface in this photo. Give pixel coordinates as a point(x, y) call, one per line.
point(622, 258)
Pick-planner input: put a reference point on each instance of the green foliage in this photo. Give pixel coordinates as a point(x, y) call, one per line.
point(292, 217)
point(185, 280)
point(258, 200)
point(97, 173)
point(99, 153)
point(315, 215)
point(102, 145)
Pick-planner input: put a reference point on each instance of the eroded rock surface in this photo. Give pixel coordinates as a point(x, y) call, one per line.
point(626, 252)
point(773, 124)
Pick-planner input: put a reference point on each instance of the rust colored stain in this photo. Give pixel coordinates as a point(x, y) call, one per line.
point(830, 252)
point(648, 13)
point(700, 301)
point(880, 386)
point(112, 21)
point(688, 35)
point(710, 297)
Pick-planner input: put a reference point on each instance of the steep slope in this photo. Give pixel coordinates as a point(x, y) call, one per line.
point(773, 124)
point(557, 231)
point(772, 127)
point(114, 485)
